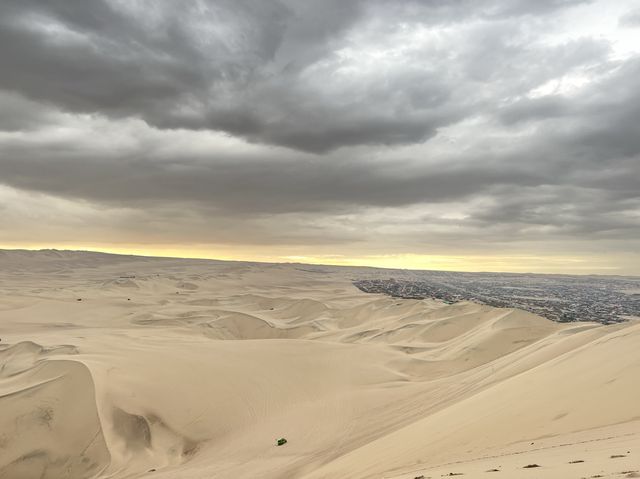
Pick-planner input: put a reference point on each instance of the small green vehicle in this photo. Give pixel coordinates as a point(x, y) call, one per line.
point(281, 442)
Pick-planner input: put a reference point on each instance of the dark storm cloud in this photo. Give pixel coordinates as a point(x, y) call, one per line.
point(566, 211)
point(346, 105)
point(244, 185)
point(266, 71)
point(590, 144)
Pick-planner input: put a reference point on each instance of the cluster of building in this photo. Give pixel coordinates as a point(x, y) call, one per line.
point(564, 298)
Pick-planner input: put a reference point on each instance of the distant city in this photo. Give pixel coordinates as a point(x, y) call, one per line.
point(562, 298)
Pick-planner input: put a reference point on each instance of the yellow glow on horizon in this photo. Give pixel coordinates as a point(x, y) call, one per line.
point(490, 263)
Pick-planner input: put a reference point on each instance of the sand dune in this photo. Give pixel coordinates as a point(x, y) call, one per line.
point(49, 421)
point(125, 367)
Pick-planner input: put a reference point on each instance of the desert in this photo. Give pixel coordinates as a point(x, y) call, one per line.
point(319, 239)
point(136, 367)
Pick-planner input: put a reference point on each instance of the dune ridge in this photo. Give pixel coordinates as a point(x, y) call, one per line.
point(130, 367)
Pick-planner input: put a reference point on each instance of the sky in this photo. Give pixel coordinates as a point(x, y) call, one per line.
point(475, 135)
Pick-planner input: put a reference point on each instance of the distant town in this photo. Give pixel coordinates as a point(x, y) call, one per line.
point(563, 298)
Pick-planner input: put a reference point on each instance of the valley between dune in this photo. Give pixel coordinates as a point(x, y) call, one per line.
point(131, 367)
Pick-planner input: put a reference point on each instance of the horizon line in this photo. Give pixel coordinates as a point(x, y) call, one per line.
point(199, 258)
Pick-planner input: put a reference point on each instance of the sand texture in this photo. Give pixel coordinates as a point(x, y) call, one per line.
point(124, 367)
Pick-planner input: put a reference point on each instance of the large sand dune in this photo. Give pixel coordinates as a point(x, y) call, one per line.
point(125, 367)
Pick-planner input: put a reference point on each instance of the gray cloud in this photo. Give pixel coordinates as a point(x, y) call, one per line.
point(267, 71)
point(591, 143)
point(631, 18)
point(424, 124)
point(240, 185)
point(19, 113)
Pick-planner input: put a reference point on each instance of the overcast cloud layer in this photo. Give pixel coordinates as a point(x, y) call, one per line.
point(335, 128)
